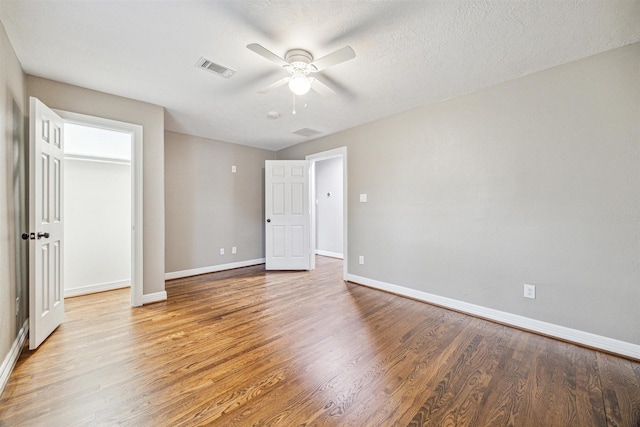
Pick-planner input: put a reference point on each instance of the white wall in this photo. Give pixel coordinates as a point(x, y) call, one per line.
point(96, 142)
point(97, 230)
point(329, 223)
point(535, 180)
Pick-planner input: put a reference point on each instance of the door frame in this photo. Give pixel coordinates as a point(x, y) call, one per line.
point(316, 157)
point(136, 190)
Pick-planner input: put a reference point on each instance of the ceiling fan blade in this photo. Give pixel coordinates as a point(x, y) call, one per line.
point(275, 85)
point(321, 87)
point(335, 58)
point(267, 54)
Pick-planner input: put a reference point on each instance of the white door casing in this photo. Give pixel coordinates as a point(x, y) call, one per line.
point(287, 228)
point(46, 246)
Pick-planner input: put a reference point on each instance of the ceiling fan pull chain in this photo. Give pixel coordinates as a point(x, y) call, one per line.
point(294, 103)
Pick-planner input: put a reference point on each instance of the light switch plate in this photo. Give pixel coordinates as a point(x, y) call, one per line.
point(363, 197)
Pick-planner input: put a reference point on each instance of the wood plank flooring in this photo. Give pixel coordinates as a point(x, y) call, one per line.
point(254, 348)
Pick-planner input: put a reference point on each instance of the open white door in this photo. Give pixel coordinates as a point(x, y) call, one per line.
point(46, 160)
point(287, 232)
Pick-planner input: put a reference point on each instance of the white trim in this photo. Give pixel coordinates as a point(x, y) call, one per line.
point(137, 241)
point(12, 357)
point(329, 254)
point(561, 332)
point(86, 158)
point(330, 154)
point(154, 297)
point(98, 287)
point(212, 269)
point(313, 222)
point(137, 208)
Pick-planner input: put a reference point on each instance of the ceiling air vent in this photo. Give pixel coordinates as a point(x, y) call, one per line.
point(307, 132)
point(209, 65)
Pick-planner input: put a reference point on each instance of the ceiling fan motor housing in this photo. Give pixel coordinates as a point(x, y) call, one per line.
point(300, 59)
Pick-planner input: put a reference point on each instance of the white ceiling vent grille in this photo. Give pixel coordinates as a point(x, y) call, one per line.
point(307, 132)
point(209, 65)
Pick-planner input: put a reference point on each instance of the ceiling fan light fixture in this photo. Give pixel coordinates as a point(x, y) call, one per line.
point(299, 83)
point(299, 64)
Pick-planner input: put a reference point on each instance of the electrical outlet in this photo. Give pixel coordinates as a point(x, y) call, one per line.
point(234, 250)
point(221, 251)
point(233, 169)
point(529, 291)
point(361, 259)
point(363, 198)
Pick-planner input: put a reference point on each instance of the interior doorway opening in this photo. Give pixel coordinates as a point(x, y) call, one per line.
point(97, 209)
point(106, 239)
point(329, 206)
point(334, 161)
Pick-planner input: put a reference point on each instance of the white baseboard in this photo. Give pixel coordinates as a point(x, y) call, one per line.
point(155, 297)
point(212, 269)
point(561, 332)
point(100, 287)
point(12, 357)
point(329, 254)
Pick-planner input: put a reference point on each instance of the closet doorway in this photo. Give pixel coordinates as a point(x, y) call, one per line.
point(102, 192)
point(97, 209)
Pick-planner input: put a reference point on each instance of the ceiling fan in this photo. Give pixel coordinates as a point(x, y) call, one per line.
point(299, 64)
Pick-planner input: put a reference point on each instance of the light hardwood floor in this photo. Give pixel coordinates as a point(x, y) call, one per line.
point(248, 347)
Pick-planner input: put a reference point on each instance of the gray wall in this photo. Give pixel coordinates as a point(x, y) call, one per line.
point(151, 117)
point(207, 206)
point(329, 227)
point(13, 274)
point(532, 181)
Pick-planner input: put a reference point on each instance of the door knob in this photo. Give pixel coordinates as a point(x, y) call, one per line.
point(25, 236)
point(41, 235)
point(268, 219)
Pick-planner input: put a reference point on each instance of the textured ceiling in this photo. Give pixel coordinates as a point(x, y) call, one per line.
point(409, 54)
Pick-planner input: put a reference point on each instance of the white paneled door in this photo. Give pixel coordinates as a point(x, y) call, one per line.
point(46, 159)
point(288, 218)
